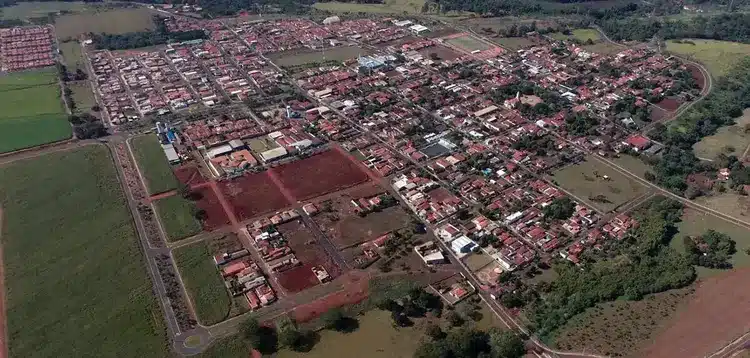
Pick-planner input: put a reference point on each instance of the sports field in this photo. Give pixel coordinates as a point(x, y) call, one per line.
point(387, 7)
point(468, 43)
point(176, 214)
point(116, 21)
point(153, 164)
point(32, 111)
point(718, 56)
point(75, 277)
point(203, 283)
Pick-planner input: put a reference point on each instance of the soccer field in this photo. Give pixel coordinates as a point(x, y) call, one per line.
point(75, 277)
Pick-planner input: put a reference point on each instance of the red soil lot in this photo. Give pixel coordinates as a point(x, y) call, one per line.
point(189, 175)
point(669, 104)
point(356, 290)
point(252, 194)
point(697, 75)
point(216, 217)
point(320, 174)
point(718, 313)
point(301, 277)
point(657, 114)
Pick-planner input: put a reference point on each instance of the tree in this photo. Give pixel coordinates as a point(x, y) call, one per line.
point(434, 332)
point(336, 320)
point(454, 319)
point(296, 340)
point(560, 209)
point(506, 344)
point(259, 337)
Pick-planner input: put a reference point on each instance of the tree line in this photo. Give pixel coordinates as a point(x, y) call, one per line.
point(725, 26)
point(160, 36)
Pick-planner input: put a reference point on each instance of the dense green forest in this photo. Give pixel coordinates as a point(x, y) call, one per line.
point(159, 36)
point(726, 26)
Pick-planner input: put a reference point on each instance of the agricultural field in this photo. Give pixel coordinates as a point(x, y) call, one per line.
point(695, 223)
point(296, 58)
point(85, 280)
point(718, 56)
point(36, 9)
point(153, 164)
point(587, 181)
point(730, 140)
point(621, 327)
point(495, 24)
point(177, 217)
point(253, 194)
point(582, 35)
point(603, 47)
point(203, 283)
point(468, 43)
point(115, 21)
point(387, 7)
point(33, 113)
point(310, 177)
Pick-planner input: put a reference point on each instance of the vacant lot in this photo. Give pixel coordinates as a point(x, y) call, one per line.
point(295, 58)
point(32, 111)
point(514, 43)
point(716, 315)
point(117, 21)
point(587, 181)
point(468, 43)
point(387, 7)
point(153, 164)
point(730, 140)
point(209, 202)
point(71, 51)
point(309, 252)
point(253, 194)
point(73, 268)
point(603, 47)
point(696, 223)
point(203, 283)
point(581, 35)
point(82, 96)
point(310, 177)
point(176, 214)
point(621, 327)
point(633, 164)
point(718, 56)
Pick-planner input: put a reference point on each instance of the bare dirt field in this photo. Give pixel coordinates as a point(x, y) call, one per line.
point(309, 252)
point(657, 114)
point(718, 313)
point(189, 175)
point(697, 75)
point(442, 52)
point(311, 177)
point(209, 202)
point(669, 104)
point(252, 195)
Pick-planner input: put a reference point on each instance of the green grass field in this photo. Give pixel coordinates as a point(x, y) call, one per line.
point(468, 43)
point(75, 277)
point(26, 10)
point(227, 347)
point(32, 111)
point(388, 7)
point(581, 179)
point(176, 214)
point(71, 52)
point(718, 56)
point(295, 58)
point(82, 95)
point(603, 47)
point(730, 140)
point(115, 21)
point(582, 35)
point(514, 43)
point(633, 164)
point(203, 282)
point(153, 164)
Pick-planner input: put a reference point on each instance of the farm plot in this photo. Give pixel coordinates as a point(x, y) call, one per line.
point(387, 7)
point(252, 195)
point(117, 21)
point(33, 113)
point(153, 165)
point(730, 140)
point(177, 216)
point(310, 254)
point(296, 58)
point(311, 177)
point(599, 185)
point(36, 9)
point(467, 42)
point(718, 56)
point(85, 279)
point(203, 283)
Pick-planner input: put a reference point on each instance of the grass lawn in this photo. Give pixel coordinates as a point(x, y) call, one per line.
point(71, 52)
point(176, 214)
point(227, 347)
point(718, 56)
point(31, 9)
point(295, 58)
point(32, 111)
point(582, 180)
point(116, 21)
point(632, 164)
point(604, 48)
point(468, 43)
point(82, 95)
point(153, 164)
point(696, 223)
point(514, 43)
point(387, 7)
point(730, 140)
point(203, 283)
point(76, 279)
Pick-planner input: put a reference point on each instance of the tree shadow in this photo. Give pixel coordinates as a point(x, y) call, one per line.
point(348, 325)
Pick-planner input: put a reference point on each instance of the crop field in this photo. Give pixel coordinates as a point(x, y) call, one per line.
point(718, 56)
point(84, 279)
point(203, 283)
point(32, 111)
point(116, 21)
point(312, 177)
point(176, 215)
point(153, 165)
point(295, 58)
point(252, 195)
point(33, 9)
point(387, 7)
point(730, 140)
point(310, 254)
point(586, 180)
point(468, 43)
point(621, 326)
point(715, 316)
